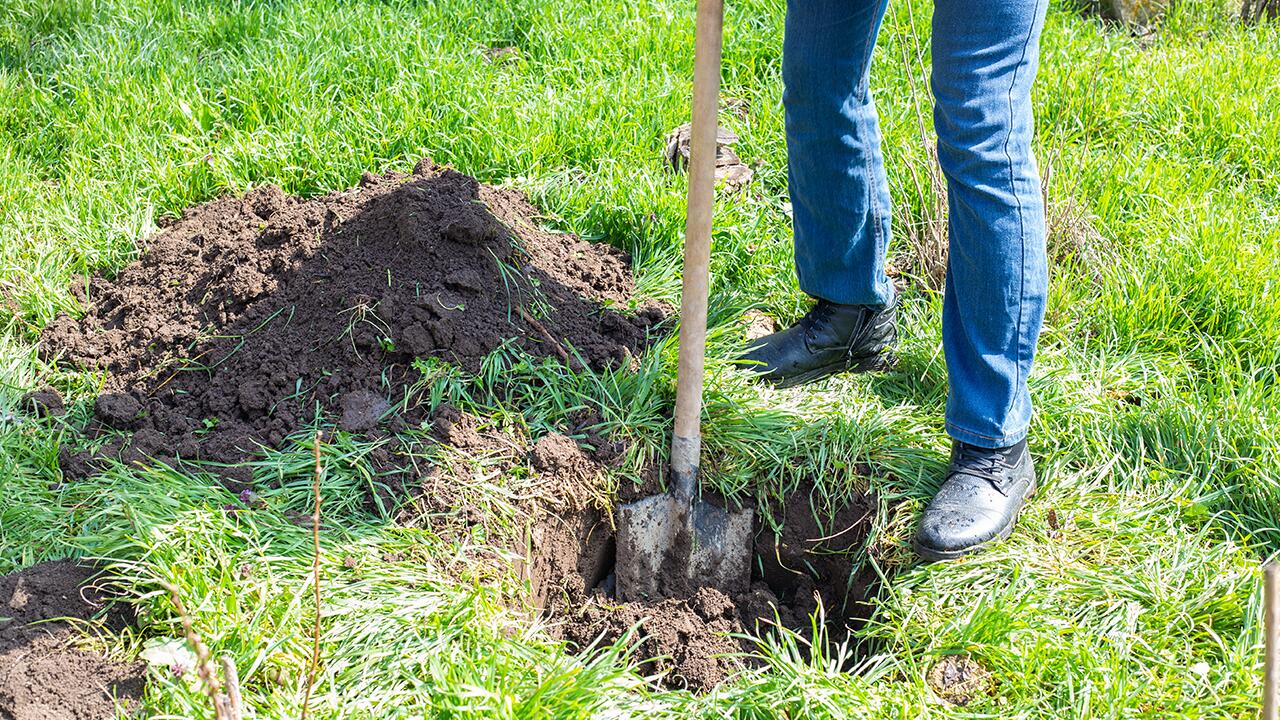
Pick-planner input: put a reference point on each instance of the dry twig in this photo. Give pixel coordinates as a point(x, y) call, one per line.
point(231, 676)
point(1271, 626)
point(546, 335)
point(203, 665)
point(315, 580)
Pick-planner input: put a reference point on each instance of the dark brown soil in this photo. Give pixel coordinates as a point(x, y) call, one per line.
point(248, 316)
point(689, 641)
point(44, 673)
point(812, 557)
point(43, 403)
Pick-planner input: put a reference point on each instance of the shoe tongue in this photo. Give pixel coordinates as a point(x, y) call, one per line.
point(983, 463)
point(818, 314)
point(1013, 453)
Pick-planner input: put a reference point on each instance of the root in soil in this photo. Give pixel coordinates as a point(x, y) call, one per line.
point(44, 671)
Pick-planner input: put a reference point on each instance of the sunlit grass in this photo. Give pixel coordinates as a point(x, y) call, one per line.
point(1130, 588)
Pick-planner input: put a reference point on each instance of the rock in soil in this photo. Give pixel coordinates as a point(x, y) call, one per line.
point(44, 673)
point(245, 314)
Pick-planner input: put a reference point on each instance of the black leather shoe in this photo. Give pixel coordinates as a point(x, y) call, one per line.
point(979, 503)
point(829, 339)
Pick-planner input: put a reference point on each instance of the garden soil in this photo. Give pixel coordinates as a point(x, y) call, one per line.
point(45, 672)
point(693, 642)
point(248, 317)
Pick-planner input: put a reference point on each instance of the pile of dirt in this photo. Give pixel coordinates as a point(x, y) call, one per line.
point(44, 672)
point(249, 315)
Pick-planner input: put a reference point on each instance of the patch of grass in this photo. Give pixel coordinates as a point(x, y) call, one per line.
point(1130, 589)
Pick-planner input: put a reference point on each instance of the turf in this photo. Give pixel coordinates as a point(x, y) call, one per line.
point(1131, 587)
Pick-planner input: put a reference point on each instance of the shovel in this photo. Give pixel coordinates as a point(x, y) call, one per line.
point(670, 545)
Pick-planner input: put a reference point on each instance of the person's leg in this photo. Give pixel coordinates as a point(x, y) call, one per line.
point(839, 197)
point(839, 192)
point(984, 61)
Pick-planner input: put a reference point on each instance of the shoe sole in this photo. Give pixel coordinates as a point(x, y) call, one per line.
point(935, 555)
point(876, 363)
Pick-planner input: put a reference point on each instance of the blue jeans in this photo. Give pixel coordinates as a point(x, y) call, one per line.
point(984, 61)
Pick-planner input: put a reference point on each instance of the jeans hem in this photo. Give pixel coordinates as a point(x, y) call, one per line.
point(841, 296)
point(985, 441)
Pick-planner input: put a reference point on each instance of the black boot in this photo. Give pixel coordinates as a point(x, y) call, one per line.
point(831, 338)
point(979, 503)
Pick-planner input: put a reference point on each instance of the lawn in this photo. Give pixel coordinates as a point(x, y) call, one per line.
point(1131, 588)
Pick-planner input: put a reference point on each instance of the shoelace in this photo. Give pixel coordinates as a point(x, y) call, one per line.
point(984, 464)
point(819, 314)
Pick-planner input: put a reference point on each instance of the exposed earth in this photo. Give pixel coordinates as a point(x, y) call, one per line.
point(46, 671)
point(249, 318)
point(249, 315)
point(688, 640)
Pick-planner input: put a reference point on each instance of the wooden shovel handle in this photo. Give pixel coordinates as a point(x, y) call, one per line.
point(686, 446)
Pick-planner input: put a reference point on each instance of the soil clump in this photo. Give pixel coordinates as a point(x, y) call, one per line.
point(959, 679)
point(246, 317)
point(45, 674)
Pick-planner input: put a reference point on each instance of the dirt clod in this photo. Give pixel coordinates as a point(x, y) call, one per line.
point(361, 410)
point(730, 169)
point(45, 674)
point(118, 410)
point(43, 403)
point(566, 472)
point(756, 325)
point(687, 640)
point(959, 679)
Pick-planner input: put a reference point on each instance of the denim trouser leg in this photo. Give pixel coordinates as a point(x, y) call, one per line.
point(984, 61)
point(839, 191)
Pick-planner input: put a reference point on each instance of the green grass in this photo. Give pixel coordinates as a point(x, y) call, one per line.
point(1131, 588)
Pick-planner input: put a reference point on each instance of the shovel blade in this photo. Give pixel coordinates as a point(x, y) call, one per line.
point(655, 560)
point(721, 552)
point(646, 536)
